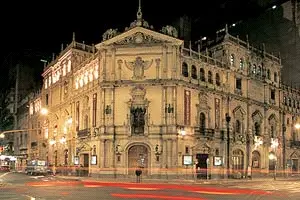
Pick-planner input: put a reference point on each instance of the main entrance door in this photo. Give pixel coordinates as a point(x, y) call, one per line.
point(137, 157)
point(201, 167)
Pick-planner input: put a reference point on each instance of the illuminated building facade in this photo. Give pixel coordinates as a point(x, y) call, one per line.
point(140, 99)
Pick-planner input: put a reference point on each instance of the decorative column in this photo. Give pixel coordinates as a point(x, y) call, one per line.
point(113, 61)
point(101, 154)
point(165, 62)
point(120, 62)
point(104, 66)
point(157, 61)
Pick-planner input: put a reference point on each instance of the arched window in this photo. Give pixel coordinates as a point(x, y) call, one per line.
point(268, 74)
point(66, 156)
point(210, 80)
point(231, 59)
point(202, 123)
point(202, 74)
point(275, 77)
point(238, 126)
point(185, 70)
point(237, 161)
point(241, 63)
point(218, 82)
point(272, 131)
point(194, 72)
point(256, 129)
point(258, 71)
point(254, 70)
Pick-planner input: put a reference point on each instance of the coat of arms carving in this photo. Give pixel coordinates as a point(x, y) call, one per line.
point(138, 67)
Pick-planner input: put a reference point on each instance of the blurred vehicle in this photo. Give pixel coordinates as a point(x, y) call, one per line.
point(4, 163)
point(4, 168)
point(36, 167)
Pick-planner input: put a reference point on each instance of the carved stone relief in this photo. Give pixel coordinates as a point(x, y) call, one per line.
point(139, 38)
point(138, 67)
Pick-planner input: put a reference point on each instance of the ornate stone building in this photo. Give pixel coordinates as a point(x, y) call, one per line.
point(140, 99)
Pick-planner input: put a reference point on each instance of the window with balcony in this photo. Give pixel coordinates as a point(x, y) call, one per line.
point(238, 83)
point(202, 123)
point(138, 120)
point(272, 95)
point(275, 77)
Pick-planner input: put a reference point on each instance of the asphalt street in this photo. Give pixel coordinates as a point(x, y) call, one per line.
point(20, 186)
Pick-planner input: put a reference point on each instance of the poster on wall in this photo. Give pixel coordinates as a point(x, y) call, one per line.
point(187, 160)
point(217, 161)
point(94, 160)
point(76, 160)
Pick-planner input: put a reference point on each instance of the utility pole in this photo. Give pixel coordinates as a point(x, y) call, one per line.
point(283, 144)
point(228, 118)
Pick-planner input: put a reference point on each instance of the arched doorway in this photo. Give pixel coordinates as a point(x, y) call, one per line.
point(138, 157)
point(255, 159)
point(255, 162)
point(238, 162)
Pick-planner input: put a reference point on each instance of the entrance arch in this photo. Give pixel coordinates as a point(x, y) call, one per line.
point(255, 159)
point(138, 156)
point(238, 162)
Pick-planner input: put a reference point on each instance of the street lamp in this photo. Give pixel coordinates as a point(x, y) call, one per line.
point(44, 111)
point(273, 157)
point(228, 118)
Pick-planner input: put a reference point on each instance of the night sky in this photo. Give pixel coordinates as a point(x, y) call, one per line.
point(37, 29)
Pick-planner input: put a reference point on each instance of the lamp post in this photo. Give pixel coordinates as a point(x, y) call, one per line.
point(228, 118)
point(273, 157)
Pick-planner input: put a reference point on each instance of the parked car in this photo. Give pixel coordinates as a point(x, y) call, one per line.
point(36, 167)
point(4, 168)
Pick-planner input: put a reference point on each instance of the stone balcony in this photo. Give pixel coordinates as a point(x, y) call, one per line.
point(84, 133)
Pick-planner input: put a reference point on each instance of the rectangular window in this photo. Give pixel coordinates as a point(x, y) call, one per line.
point(77, 116)
point(47, 99)
point(94, 109)
point(272, 94)
point(238, 83)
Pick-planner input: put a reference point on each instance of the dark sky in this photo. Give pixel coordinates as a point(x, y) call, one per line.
point(39, 27)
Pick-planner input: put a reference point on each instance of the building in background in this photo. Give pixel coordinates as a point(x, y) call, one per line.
point(277, 31)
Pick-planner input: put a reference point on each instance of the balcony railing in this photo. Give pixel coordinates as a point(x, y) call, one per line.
point(295, 144)
point(84, 133)
point(204, 132)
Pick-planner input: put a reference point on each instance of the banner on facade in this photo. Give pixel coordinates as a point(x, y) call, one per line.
point(187, 107)
point(217, 113)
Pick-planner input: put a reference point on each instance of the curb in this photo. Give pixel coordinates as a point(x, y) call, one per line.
point(175, 181)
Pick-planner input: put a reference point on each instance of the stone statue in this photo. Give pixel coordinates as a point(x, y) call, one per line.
point(110, 33)
point(170, 30)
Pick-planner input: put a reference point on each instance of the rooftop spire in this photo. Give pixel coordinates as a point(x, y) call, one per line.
point(139, 13)
point(73, 38)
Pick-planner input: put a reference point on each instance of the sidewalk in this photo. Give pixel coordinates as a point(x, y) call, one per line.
point(177, 181)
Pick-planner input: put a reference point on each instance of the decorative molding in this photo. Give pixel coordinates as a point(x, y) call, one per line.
point(139, 38)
